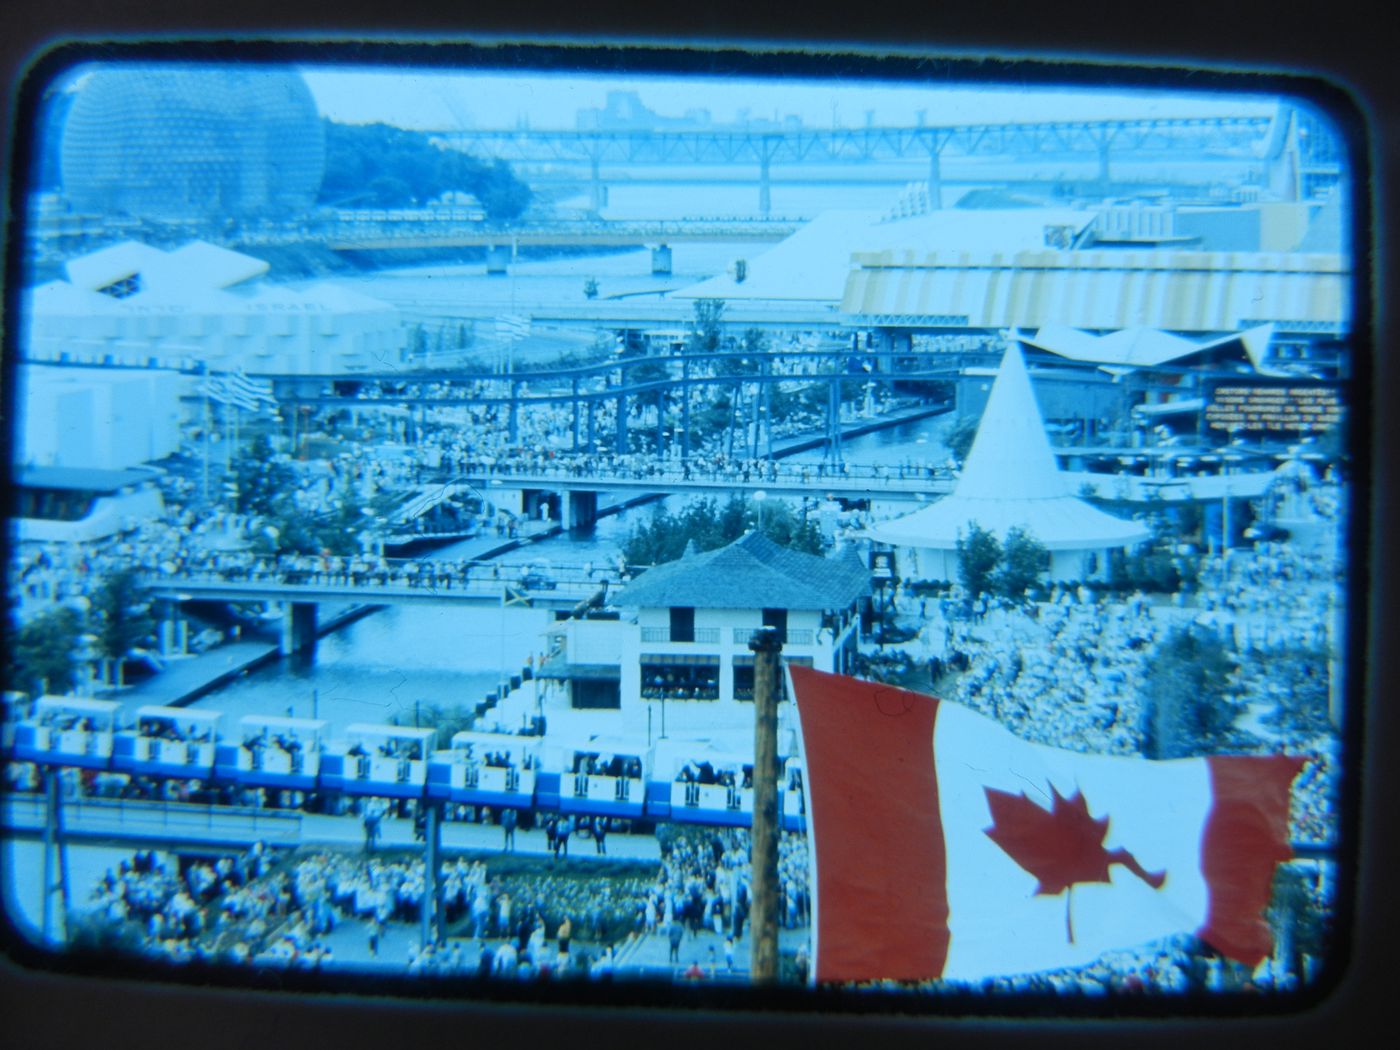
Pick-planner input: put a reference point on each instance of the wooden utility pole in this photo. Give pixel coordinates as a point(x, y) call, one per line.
point(763, 880)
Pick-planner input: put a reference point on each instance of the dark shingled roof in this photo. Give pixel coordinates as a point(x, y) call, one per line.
point(751, 573)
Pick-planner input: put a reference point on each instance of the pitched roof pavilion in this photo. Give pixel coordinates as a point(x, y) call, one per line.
point(753, 572)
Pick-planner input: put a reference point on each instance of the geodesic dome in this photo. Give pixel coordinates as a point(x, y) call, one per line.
point(184, 142)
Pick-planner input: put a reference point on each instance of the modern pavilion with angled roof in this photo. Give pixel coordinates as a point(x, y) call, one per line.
point(1011, 479)
point(682, 645)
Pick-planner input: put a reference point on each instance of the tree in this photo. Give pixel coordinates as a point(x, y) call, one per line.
point(1301, 925)
point(978, 555)
point(1301, 675)
point(447, 721)
point(1187, 707)
point(263, 480)
point(122, 620)
point(392, 168)
point(709, 527)
point(704, 335)
point(43, 653)
point(1023, 560)
point(960, 438)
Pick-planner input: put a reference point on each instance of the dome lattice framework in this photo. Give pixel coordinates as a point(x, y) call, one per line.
point(171, 142)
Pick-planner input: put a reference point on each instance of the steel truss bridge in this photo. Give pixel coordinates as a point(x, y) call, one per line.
point(1245, 137)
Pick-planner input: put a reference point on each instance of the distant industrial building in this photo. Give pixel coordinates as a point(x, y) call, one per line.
point(201, 306)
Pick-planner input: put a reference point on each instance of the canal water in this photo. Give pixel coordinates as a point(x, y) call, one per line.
point(398, 662)
point(402, 660)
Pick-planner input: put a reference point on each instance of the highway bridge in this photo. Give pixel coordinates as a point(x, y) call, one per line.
point(1246, 137)
point(389, 229)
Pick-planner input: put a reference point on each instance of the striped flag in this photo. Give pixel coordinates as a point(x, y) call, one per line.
point(235, 388)
point(943, 846)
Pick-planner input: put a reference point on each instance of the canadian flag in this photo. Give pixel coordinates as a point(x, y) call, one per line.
point(944, 846)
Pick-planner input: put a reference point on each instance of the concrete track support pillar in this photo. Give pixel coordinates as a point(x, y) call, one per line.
point(298, 628)
point(580, 511)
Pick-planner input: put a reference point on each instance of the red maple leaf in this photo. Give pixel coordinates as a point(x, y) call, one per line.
point(1060, 846)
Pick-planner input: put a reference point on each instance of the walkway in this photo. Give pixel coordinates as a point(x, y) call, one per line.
point(187, 678)
point(174, 824)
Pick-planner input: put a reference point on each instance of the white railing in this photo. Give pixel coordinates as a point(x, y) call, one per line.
point(701, 635)
point(139, 817)
point(800, 636)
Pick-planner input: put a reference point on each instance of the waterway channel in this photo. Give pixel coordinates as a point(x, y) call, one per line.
point(398, 662)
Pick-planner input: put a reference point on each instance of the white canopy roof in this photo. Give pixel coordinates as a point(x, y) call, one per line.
point(75, 704)
point(1011, 479)
point(383, 732)
point(316, 725)
point(1141, 347)
point(816, 261)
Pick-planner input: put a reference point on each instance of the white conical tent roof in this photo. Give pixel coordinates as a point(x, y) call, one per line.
point(1011, 454)
point(1011, 480)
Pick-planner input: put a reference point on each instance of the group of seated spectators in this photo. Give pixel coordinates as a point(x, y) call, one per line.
point(1068, 672)
point(677, 685)
point(607, 765)
point(705, 773)
point(393, 747)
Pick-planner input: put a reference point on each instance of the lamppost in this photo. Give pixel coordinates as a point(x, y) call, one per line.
point(759, 497)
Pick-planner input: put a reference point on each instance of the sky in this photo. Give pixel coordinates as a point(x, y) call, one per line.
point(440, 100)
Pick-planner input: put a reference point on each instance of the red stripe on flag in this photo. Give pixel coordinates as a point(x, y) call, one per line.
point(881, 880)
point(1245, 836)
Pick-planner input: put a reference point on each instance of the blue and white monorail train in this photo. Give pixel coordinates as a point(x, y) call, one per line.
point(273, 752)
point(67, 730)
point(377, 760)
point(486, 769)
point(168, 742)
point(594, 776)
point(585, 776)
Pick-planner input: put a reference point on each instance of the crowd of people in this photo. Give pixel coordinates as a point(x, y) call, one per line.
point(704, 884)
point(1068, 671)
point(219, 909)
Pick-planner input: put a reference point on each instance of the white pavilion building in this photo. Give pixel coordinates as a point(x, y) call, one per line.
point(1011, 479)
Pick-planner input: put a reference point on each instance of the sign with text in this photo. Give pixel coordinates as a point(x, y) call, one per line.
point(882, 568)
point(1307, 409)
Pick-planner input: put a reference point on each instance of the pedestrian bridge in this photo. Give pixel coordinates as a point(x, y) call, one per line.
point(905, 482)
point(399, 582)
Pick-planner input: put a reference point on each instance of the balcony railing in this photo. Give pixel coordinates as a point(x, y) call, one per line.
point(702, 635)
point(800, 636)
